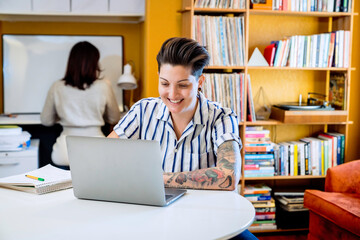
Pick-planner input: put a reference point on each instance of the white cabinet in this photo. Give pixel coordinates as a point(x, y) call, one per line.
point(128, 11)
point(51, 6)
point(89, 6)
point(12, 163)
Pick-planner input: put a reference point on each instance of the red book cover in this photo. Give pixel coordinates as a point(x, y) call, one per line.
point(269, 54)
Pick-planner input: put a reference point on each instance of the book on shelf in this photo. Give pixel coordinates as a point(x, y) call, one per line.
point(53, 179)
point(259, 156)
point(337, 90)
point(268, 203)
point(291, 199)
point(294, 207)
point(250, 103)
point(267, 216)
point(269, 54)
point(261, 227)
point(340, 146)
point(257, 197)
point(261, 147)
point(256, 189)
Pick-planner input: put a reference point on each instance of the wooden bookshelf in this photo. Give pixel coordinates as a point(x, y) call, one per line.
point(284, 84)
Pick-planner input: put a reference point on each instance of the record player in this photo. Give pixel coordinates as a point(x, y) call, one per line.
point(312, 103)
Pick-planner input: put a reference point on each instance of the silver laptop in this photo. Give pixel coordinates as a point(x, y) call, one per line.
point(118, 170)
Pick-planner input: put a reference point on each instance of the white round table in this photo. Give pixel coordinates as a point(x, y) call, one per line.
point(59, 215)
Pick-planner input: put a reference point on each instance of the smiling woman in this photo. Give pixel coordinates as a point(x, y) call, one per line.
point(199, 139)
point(178, 90)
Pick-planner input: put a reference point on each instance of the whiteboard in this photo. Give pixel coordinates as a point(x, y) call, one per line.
point(31, 63)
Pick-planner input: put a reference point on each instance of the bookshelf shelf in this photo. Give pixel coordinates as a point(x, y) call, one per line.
point(281, 230)
point(213, 10)
point(284, 177)
point(225, 68)
point(271, 122)
point(297, 14)
point(216, 10)
point(295, 68)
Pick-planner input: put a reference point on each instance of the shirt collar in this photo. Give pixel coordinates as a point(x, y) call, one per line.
point(201, 112)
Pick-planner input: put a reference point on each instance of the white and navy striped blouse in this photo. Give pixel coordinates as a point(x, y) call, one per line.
point(149, 119)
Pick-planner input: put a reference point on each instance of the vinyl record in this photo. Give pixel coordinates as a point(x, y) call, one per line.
point(297, 106)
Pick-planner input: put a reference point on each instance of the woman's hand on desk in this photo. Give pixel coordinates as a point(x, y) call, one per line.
point(225, 176)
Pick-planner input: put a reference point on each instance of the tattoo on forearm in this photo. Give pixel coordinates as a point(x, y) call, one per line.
point(181, 178)
point(214, 175)
point(226, 183)
point(223, 176)
point(226, 164)
point(170, 179)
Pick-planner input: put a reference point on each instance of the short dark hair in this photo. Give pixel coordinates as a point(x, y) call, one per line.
point(83, 65)
point(185, 52)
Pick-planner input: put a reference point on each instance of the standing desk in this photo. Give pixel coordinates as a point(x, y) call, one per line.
point(199, 214)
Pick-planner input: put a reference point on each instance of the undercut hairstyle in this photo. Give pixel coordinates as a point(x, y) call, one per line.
point(184, 52)
point(83, 65)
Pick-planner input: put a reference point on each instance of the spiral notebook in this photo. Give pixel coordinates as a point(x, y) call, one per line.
point(55, 179)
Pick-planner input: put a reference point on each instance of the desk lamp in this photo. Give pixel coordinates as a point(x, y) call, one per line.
point(127, 81)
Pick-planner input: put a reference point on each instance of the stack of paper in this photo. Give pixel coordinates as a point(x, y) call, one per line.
point(13, 138)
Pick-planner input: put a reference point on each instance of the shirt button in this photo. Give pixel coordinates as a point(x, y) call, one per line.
point(176, 150)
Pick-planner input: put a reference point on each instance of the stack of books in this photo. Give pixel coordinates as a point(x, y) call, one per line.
point(13, 138)
point(291, 201)
point(291, 212)
point(260, 196)
point(259, 153)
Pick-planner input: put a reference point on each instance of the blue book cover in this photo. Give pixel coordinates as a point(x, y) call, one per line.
point(259, 156)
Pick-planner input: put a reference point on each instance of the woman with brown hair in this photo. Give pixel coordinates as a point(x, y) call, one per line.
point(81, 102)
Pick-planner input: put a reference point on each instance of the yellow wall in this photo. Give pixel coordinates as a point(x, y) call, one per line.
point(162, 22)
point(132, 34)
point(354, 129)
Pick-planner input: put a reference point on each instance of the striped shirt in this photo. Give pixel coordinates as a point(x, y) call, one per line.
point(149, 119)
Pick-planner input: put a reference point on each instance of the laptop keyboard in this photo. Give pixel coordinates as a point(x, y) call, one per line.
point(167, 196)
